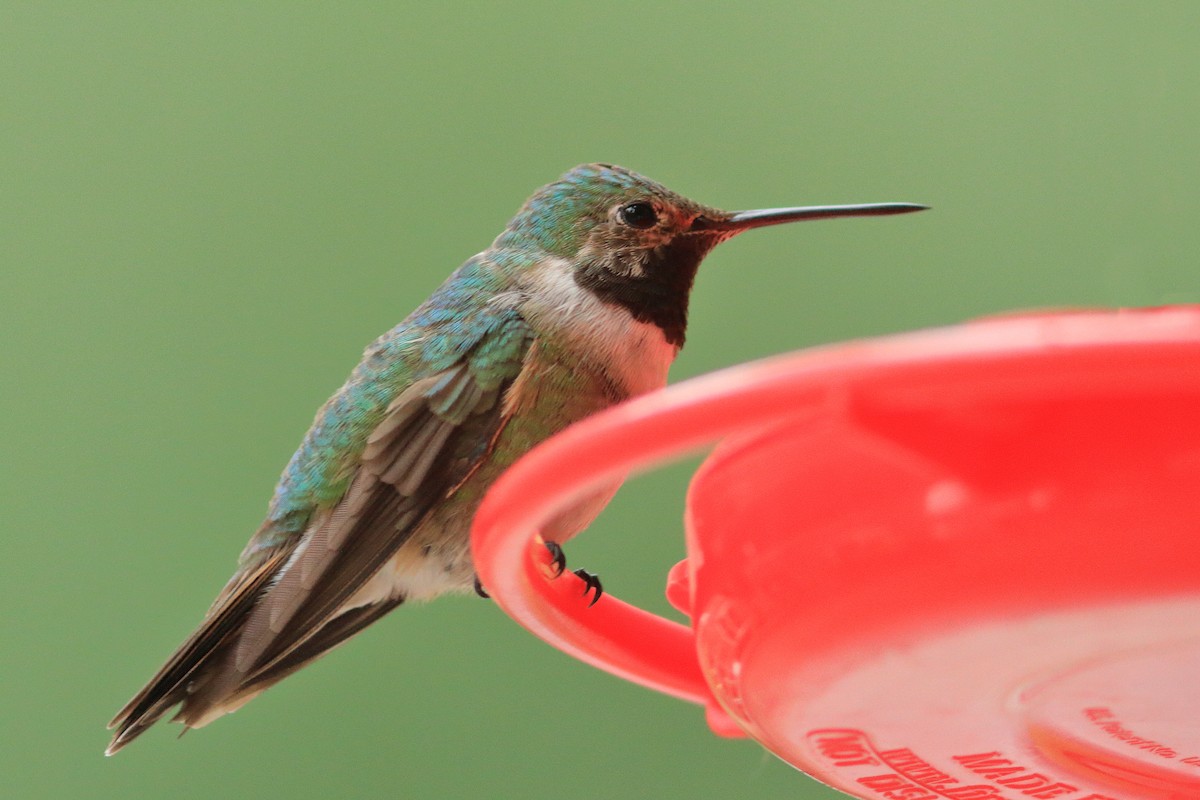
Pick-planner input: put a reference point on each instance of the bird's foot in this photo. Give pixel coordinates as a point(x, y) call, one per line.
point(479, 590)
point(558, 560)
point(591, 581)
point(557, 557)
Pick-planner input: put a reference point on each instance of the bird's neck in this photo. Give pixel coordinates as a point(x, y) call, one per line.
point(652, 285)
point(580, 324)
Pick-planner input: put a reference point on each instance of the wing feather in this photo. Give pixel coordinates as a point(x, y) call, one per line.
point(288, 605)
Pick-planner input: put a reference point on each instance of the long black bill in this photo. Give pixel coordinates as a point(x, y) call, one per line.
point(745, 220)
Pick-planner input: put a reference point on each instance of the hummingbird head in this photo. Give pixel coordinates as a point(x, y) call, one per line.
point(637, 244)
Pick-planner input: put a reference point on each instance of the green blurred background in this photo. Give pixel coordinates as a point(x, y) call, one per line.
point(208, 210)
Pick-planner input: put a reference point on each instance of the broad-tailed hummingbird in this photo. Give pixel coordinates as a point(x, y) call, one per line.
point(580, 303)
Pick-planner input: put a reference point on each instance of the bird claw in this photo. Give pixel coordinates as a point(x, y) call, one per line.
point(558, 560)
point(557, 557)
point(479, 590)
point(591, 581)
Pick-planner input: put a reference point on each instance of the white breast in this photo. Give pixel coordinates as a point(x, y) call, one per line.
point(635, 354)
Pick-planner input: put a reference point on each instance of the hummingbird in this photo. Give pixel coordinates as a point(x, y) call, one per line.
point(580, 303)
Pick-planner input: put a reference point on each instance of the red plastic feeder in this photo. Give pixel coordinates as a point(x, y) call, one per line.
point(961, 563)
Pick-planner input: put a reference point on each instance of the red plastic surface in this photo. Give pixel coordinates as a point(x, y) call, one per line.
point(960, 563)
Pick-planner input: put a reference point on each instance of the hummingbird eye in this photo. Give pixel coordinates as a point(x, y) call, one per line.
point(638, 215)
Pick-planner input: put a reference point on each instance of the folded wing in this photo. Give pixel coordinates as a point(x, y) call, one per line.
point(290, 606)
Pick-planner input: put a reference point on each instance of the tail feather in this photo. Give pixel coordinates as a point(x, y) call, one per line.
point(196, 677)
point(188, 664)
point(203, 706)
